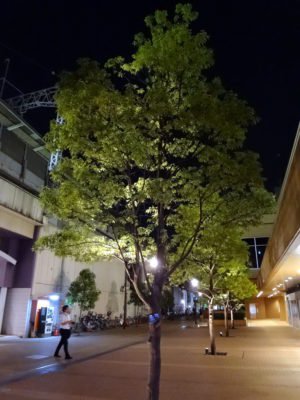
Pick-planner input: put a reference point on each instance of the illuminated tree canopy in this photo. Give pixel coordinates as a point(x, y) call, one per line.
point(153, 152)
point(219, 263)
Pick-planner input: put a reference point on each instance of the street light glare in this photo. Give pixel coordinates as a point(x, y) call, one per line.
point(54, 297)
point(194, 282)
point(153, 262)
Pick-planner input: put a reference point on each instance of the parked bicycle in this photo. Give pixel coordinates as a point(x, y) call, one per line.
point(92, 322)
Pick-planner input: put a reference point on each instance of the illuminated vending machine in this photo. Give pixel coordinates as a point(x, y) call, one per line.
point(49, 320)
point(46, 316)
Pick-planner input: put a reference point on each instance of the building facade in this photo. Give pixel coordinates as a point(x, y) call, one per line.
point(278, 279)
point(28, 280)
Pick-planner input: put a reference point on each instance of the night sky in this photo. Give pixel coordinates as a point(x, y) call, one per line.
point(256, 45)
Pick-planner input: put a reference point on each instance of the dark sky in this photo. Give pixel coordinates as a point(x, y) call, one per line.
point(256, 45)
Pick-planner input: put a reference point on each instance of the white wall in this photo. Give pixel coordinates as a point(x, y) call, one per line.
point(54, 275)
point(17, 199)
point(19, 210)
point(264, 229)
point(17, 310)
point(3, 294)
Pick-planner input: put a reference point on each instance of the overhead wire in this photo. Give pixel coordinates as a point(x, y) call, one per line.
point(28, 58)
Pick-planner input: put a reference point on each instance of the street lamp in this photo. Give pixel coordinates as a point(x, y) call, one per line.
point(153, 262)
point(194, 282)
point(54, 297)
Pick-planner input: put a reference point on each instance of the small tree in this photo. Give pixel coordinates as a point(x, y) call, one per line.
point(83, 291)
point(236, 288)
point(234, 306)
point(218, 261)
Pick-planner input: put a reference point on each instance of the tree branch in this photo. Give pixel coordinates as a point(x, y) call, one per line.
point(189, 244)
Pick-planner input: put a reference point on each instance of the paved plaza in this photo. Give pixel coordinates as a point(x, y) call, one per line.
point(262, 362)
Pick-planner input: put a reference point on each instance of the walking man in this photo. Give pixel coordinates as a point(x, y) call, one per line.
point(65, 332)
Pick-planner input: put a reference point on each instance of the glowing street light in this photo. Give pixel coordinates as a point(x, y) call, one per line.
point(194, 282)
point(54, 297)
point(153, 262)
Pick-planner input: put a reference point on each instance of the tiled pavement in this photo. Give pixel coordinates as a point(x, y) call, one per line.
point(262, 362)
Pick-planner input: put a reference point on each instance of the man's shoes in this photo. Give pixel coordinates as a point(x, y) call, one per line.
point(57, 356)
point(68, 358)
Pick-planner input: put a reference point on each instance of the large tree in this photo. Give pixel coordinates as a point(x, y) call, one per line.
point(150, 146)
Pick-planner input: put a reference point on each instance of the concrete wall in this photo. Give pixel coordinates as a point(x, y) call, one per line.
point(20, 201)
point(274, 307)
point(54, 275)
point(259, 304)
point(19, 275)
point(13, 222)
point(24, 268)
point(3, 294)
point(283, 308)
point(263, 230)
point(288, 218)
point(16, 314)
point(38, 275)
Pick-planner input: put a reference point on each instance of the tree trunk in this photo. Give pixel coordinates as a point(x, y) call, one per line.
point(211, 328)
point(155, 303)
point(231, 319)
point(155, 361)
point(154, 337)
point(226, 321)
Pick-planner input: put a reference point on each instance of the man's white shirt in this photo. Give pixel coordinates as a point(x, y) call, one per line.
point(63, 318)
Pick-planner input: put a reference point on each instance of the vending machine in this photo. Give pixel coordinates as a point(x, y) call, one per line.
point(49, 320)
point(46, 317)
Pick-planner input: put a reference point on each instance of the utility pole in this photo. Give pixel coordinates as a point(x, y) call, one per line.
point(7, 61)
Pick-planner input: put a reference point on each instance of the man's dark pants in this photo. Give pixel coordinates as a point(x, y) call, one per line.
point(65, 334)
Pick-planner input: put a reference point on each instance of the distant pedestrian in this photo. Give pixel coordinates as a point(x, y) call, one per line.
point(65, 332)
